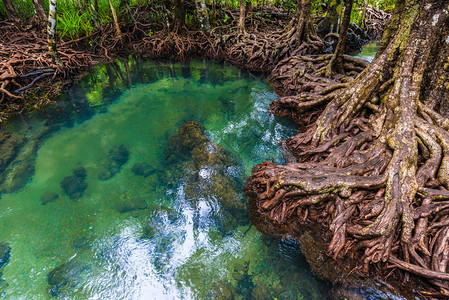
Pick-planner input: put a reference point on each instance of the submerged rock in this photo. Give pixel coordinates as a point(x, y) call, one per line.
point(80, 243)
point(223, 291)
point(21, 174)
point(3, 286)
point(10, 145)
point(180, 145)
point(241, 270)
point(209, 173)
point(260, 292)
point(211, 177)
point(5, 253)
point(75, 185)
point(49, 197)
point(116, 158)
point(62, 276)
point(128, 204)
point(18, 172)
point(143, 169)
point(149, 230)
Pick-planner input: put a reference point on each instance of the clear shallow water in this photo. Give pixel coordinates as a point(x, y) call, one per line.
point(182, 240)
point(368, 51)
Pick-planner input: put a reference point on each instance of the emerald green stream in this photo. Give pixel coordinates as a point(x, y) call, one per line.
point(170, 245)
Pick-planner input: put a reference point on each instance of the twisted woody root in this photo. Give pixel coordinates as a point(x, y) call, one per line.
point(373, 167)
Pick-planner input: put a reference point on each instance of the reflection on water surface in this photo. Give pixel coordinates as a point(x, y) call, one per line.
point(131, 188)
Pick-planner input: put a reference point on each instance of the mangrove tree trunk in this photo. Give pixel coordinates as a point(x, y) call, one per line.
point(336, 62)
point(372, 167)
point(52, 33)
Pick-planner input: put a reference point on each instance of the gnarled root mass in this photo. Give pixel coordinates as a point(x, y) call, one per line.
point(263, 50)
point(179, 43)
point(373, 166)
point(25, 62)
point(304, 74)
point(376, 21)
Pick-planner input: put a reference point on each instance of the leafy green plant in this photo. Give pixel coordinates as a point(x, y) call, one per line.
point(74, 25)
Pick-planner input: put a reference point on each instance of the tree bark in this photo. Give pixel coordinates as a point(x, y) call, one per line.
point(203, 15)
point(373, 167)
point(10, 11)
point(39, 9)
point(362, 18)
point(52, 32)
point(336, 62)
point(180, 13)
point(242, 16)
point(118, 32)
point(330, 22)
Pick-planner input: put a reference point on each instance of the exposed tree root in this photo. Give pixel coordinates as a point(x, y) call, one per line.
point(376, 21)
point(262, 51)
point(25, 61)
point(304, 74)
point(373, 166)
point(180, 44)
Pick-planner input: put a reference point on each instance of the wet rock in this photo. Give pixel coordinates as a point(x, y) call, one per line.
point(5, 253)
point(223, 291)
point(49, 197)
point(143, 169)
point(128, 204)
point(63, 276)
point(75, 185)
point(116, 158)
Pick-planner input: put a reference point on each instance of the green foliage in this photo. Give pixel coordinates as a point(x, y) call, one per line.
point(357, 10)
point(74, 24)
point(24, 8)
point(2, 11)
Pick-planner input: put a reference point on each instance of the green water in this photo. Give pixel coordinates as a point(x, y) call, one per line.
point(368, 51)
point(183, 243)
